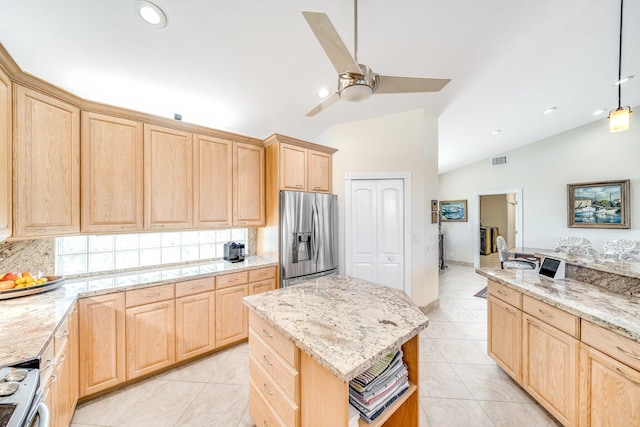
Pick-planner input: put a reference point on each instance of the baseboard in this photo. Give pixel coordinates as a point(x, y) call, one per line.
point(430, 307)
point(464, 263)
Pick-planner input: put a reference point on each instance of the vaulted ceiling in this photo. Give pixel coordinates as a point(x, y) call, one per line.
point(254, 67)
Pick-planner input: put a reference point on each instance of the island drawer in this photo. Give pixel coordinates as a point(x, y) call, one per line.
point(281, 372)
point(262, 273)
point(285, 348)
point(191, 287)
point(505, 294)
point(272, 394)
point(620, 348)
point(233, 279)
point(559, 319)
point(259, 410)
point(149, 295)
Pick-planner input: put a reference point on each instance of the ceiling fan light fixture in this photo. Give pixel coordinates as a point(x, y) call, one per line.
point(151, 14)
point(619, 119)
point(622, 80)
point(356, 92)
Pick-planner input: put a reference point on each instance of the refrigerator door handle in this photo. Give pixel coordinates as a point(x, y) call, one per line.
point(314, 233)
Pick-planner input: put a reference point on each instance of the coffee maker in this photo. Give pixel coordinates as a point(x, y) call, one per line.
point(233, 252)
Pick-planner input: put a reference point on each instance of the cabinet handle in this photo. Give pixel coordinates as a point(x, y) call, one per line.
point(128, 227)
point(299, 186)
point(266, 333)
point(189, 299)
point(52, 379)
point(157, 294)
point(510, 310)
point(264, 423)
point(63, 334)
point(266, 389)
point(501, 292)
point(544, 313)
point(49, 365)
point(635, 356)
point(197, 286)
point(266, 360)
point(532, 323)
point(627, 376)
point(163, 306)
point(62, 359)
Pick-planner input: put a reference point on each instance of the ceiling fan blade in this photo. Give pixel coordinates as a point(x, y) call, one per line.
point(328, 102)
point(331, 42)
point(393, 84)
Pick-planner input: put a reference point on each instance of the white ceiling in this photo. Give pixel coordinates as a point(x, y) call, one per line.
point(254, 67)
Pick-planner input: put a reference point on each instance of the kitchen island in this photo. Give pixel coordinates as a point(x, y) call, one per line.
point(308, 341)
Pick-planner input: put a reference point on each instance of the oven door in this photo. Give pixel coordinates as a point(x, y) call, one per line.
point(43, 416)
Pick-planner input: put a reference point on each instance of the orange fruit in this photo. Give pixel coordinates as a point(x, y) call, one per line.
point(7, 284)
point(26, 274)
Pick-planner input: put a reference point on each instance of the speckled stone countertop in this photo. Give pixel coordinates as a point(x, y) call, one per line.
point(27, 323)
point(599, 263)
point(614, 311)
point(345, 324)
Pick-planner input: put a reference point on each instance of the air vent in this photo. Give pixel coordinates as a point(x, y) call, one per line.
point(499, 161)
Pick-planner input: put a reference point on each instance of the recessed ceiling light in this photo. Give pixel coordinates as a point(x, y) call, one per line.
point(623, 80)
point(549, 110)
point(495, 132)
point(151, 14)
point(599, 111)
point(324, 92)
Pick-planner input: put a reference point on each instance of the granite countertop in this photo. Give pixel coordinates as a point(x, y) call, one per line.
point(27, 323)
point(614, 311)
point(620, 267)
point(345, 324)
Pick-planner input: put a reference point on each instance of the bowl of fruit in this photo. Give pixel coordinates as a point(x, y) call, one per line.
point(13, 285)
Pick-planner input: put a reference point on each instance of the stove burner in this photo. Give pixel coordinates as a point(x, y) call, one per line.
point(8, 388)
point(16, 375)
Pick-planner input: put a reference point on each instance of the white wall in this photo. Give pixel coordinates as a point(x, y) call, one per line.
point(543, 170)
point(396, 143)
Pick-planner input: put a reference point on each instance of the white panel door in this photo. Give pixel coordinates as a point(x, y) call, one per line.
point(377, 231)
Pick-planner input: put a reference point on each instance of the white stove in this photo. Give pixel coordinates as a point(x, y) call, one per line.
point(19, 397)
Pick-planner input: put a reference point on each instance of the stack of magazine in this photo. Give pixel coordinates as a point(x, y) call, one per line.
point(375, 389)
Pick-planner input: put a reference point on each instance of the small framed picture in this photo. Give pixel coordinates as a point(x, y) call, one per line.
point(434, 217)
point(453, 211)
point(434, 205)
point(602, 204)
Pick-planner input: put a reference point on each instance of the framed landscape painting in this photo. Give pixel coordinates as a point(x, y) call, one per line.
point(453, 210)
point(602, 204)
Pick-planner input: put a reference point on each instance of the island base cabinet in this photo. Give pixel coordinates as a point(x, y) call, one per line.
point(550, 369)
point(609, 391)
point(504, 344)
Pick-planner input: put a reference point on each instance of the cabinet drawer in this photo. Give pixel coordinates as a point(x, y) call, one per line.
point(272, 394)
point(620, 348)
point(61, 336)
point(505, 294)
point(47, 358)
point(149, 295)
point(191, 287)
point(555, 317)
point(277, 368)
point(285, 348)
point(261, 413)
point(262, 273)
point(228, 280)
point(263, 286)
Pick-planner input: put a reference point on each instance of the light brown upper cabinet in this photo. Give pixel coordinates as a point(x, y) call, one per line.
point(5, 156)
point(212, 180)
point(318, 172)
point(46, 165)
point(248, 184)
point(293, 167)
point(112, 191)
point(168, 176)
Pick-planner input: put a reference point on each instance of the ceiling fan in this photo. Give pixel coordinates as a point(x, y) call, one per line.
point(357, 82)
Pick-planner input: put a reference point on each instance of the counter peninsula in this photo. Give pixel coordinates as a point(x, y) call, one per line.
point(308, 341)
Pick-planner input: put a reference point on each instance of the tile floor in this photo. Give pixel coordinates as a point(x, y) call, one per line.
point(460, 386)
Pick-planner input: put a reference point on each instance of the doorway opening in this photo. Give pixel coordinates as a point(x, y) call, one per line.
point(499, 213)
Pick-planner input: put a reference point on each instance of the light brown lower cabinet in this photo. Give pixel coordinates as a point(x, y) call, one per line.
point(231, 314)
point(505, 336)
point(195, 324)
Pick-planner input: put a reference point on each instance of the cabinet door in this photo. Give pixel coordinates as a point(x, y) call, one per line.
point(73, 358)
point(550, 365)
point(195, 325)
point(101, 342)
point(610, 391)
point(46, 165)
point(319, 171)
point(6, 191)
point(111, 174)
point(231, 315)
point(293, 168)
point(151, 340)
point(168, 178)
point(248, 185)
point(212, 178)
point(504, 341)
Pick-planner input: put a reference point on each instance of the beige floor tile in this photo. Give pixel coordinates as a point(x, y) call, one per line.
point(508, 414)
point(440, 380)
point(236, 369)
point(201, 370)
point(443, 330)
point(454, 413)
point(429, 351)
point(462, 351)
point(489, 382)
point(217, 405)
point(472, 331)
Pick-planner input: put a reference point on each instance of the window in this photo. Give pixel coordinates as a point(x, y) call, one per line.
point(108, 253)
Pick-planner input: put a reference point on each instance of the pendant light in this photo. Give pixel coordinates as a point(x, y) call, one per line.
point(619, 118)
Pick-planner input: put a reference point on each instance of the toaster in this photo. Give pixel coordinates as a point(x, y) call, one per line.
point(233, 252)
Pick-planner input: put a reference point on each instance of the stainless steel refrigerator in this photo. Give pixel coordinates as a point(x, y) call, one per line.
point(308, 236)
